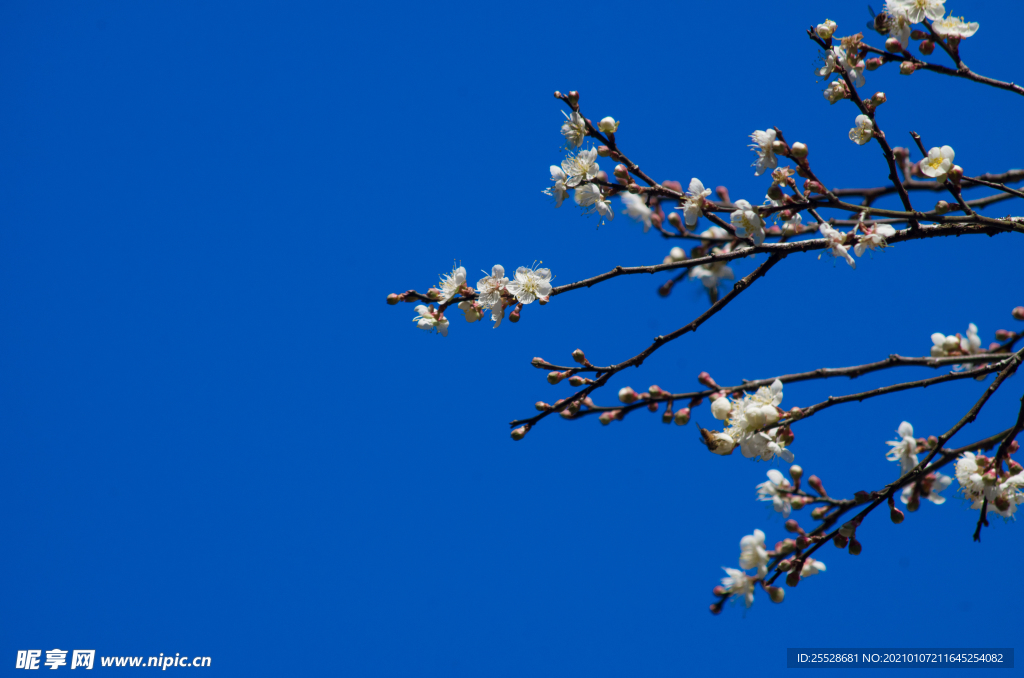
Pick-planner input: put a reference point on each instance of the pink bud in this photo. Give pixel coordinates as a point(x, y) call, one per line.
point(541, 406)
point(682, 417)
point(893, 45)
point(1002, 335)
point(718, 591)
point(873, 64)
point(907, 67)
point(393, 299)
point(1018, 313)
point(927, 47)
point(578, 356)
point(706, 379)
point(520, 433)
point(815, 482)
point(793, 578)
point(555, 377)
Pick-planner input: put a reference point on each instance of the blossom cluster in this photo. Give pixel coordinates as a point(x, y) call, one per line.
point(745, 419)
point(494, 293)
point(982, 483)
point(754, 555)
point(955, 344)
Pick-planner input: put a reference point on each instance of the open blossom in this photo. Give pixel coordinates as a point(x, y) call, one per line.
point(746, 416)
point(637, 210)
point(955, 26)
point(763, 140)
point(794, 226)
point(943, 345)
point(897, 21)
point(811, 567)
point(557, 191)
point(776, 490)
point(929, 488)
point(591, 199)
point(530, 284)
point(753, 554)
point(836, 247)
point(828, 66)
point(574, 129)
point(452, 283)
point(854, 69)
point(428, 320)
point(938, 163)
point(489, 287)
point(862, 133)
point(917, 10)
point(581, 167)
point(738, 584)
point(710, 275)
point(874, 238)
point(836, 91)
point(747, 219)
point(693, 207)
point(1003, 497)
point(904, 450)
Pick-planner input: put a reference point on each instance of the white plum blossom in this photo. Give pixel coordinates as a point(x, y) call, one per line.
point(471, 311)
point(955, 26)
point(489, 290)
point(776, 490)
point(917, 10)
point(557, 191)
point(452, 283)
point(574, 129)
point(637, 209)
point(710, 275)
point(716, 232)
point(610, 125)
point(1003, 496)
point(826, 29)
point(427, 320)
point(794, 226)
point(581, 167)
point(929, 488)
point(862, 133)
point(763, 140)
point(1009, 495)
point(904, 450)
point(874, 238)
point(693, 206)
point(530, 284)
point(738, 584)
point(938, 163)
point(828, 66)
point(591, 199)
point(953, 344)
point(897, 21)
point(835, 244)
point(811, 567)
point(836, 91)
point(746, 417)
point(747, 219)
point(753, 554)
point(854, 69)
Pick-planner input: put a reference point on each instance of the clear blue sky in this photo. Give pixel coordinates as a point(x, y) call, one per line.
point(218, 440)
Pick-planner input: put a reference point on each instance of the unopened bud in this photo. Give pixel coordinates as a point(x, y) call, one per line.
point(819, 512)
point(776, 594)
point(918, 34)
point(873, 64)
point(604, 151)
point(927, 47)
point(780, 147)
point(723, 194)
point(608, 125)
point(785, 566)
point(1018, 313)
point(787, 546)
point(682, 417)
point(520, 433)
point(815, 482)
point(914, 503)
point(848, 529)
point(803, 542)
point(1002, 503)
point(513, 317)
point(861, 497)
point(1003, 335)
point(955, 174)
point(576, 380)
point(606, 418)
point(666, 416)
point(826, 29)
point(677, 253)
point(573, 97)
point(555, 377)
point(633, 188)
point(855, 547)
point(797, 503)
point(706, 379)
point(896, 515)
point(538, 362)
point(578, 356)
point(541, 406)
point(434, 294)
point(878, 99)
point(798, 150)
point(840, 541)
point(774, 192)
point(666, 289)
point(601, 176)
point(1012, 447)
point(627, 395)
point(793, 526)
point(894, 45)
point(675, 220)
point(793, 578)
point(907, 67)
point(716, 608)
point(942, 207)
point(620, 172)
point(393, 299)
point(796, 472)
point(719, 591)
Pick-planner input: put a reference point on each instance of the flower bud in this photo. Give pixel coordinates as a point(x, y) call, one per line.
point(393, 299)
point(1013, 447)
point(780, 147)
point(861, 497)
point(621, 172)
point(555, 377)
point(573, 97)
point(675, 220)
point(855, 547)
point(716, 608)
point(990, 477)
point(840, 541)
point(520, 433)
point(677, 253)
point(785, 566)
point(608, 125)
point(788, 546)
point(825, 30)
point(914, 503)
point(815, 482)
point(723, 194)
point(907, 67)
point(567, 414)
point(796, 472)
point(601, 176)
point(1003, 335)
point(1018, 313)
point(793, 526)
point(513, 317)
point(942, 207)
point(896, 515)
point(803, 542)
point(894, 45)
point(666, 289)
point(927, 47)
point(774, 192)
point(797, 503)
point(878, 99)
point(1014, 466)
point(798, 150)
point(606, 418)
point(706, 379)
point(604, 151)
point(721, 408)
point(819, 512)
point(666, 416)
point(541, 406)
point(578, 356)
point(719, 591)
point(873, 64)
point(918, 34)
point(576, 380)
point(627, 395)
point(433, 294)
point(848, 529)
point(793, 578)
point(955, 174)
point(682, 417)
point(776, 594)
point(538, 362)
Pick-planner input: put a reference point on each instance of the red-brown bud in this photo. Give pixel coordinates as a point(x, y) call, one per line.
point(706, 379)
point(1018, 313)
point(793, 578)
point(815, 482)
point(927, 47)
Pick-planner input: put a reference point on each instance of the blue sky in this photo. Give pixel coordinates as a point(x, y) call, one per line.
point(219, 440)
